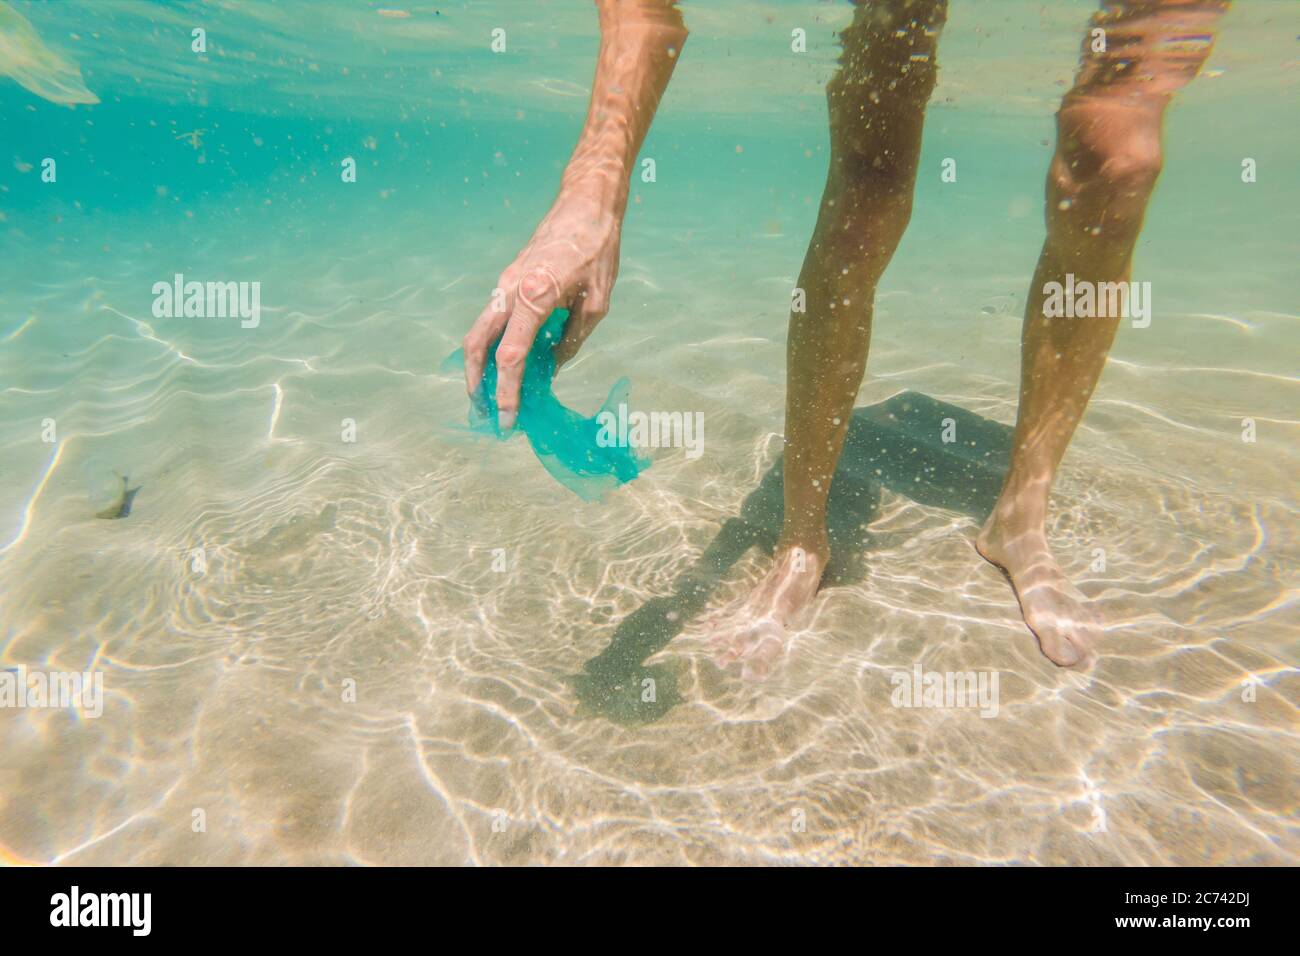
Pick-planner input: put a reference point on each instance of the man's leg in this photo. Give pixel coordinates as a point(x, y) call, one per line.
point(877, 104)
point(1106, 163)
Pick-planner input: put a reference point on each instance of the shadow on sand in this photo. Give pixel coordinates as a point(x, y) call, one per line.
point(896, 444)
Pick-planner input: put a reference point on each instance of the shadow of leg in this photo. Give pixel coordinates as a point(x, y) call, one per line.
point(897, 444)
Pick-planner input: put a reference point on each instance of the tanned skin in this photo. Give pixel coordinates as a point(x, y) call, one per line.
point(1107, 159)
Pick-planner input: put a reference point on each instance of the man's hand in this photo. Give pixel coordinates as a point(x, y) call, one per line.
point(570, 262)
point(572, 259)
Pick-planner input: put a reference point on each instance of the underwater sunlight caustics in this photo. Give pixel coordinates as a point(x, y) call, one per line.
point(631, 432)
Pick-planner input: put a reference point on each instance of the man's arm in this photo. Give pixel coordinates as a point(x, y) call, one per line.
point(639, 45)
point(571, 260)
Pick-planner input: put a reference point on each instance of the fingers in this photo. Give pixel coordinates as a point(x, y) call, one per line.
point(538, 294)
point(486, 330)
point(582, 322)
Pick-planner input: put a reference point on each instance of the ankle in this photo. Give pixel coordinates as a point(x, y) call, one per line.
point(1018, 512)
point(803, 554)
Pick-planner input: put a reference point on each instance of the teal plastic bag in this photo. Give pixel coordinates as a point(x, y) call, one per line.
point(569, 445)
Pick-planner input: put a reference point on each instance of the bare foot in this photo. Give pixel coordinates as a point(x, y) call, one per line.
point(754, 632)
point(1055, 610)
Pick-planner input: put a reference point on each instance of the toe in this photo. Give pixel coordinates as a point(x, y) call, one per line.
point(1061, 651)
point(762, 656)
point(1067, 639)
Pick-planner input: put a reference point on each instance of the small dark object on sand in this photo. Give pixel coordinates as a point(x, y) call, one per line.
point(122, 506)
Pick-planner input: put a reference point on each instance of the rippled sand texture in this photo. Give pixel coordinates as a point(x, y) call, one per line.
point(350, 679)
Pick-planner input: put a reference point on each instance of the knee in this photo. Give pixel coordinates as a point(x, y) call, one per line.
point(875, 141)
point(1111, 154)
point(1134, 167)
point(1112, 171)
point(1102, 176)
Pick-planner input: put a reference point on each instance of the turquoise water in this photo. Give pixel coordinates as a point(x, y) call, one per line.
point(346, 632)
